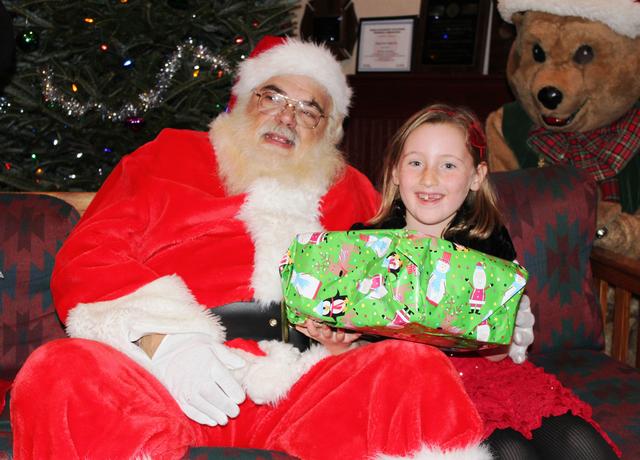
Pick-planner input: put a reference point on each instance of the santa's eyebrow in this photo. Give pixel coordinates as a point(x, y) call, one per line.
point(273, 88)
point(278, 90)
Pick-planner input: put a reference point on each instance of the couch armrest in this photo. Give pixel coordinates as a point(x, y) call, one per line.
point(621, 274)
point(79, 200)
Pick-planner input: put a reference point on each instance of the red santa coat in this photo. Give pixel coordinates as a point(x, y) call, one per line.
point(163, 212)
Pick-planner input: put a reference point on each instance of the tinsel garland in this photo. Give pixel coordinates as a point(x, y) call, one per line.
point(147, 100)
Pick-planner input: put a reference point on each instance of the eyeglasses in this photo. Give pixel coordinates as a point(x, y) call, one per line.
point(272, 103)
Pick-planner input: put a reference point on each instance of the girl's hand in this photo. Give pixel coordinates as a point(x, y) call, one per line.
point(335, 341)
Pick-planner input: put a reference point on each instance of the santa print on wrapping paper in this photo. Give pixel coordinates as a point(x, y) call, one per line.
point(401, 318)
point(478, 295)
point(312, 238)
point(437, 283)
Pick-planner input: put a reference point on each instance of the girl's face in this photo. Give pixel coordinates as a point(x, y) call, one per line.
point(435, 174)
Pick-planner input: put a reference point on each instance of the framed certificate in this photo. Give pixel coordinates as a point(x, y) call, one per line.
point(385, 44)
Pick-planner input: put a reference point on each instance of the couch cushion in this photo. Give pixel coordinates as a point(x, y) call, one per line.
point(32, 229)
point(611, 387)
point(550, 214)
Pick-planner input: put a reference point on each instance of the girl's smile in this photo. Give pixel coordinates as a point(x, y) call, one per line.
point(430, 197)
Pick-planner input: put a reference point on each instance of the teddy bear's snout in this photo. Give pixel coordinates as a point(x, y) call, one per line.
point(550, 96)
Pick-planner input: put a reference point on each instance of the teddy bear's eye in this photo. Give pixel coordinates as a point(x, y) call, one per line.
point(538, 53)
point(583, 55)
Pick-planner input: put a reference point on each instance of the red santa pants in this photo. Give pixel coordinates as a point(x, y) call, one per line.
point(77, 399)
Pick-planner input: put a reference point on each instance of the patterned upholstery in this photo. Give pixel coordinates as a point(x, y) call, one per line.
point(32, 229)
point(550, 215)
point(612, 388)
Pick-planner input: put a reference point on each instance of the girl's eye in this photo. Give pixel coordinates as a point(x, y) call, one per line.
point(449, 166)
point(414, 163)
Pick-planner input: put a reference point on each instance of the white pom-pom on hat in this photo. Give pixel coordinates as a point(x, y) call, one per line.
point(622, 16)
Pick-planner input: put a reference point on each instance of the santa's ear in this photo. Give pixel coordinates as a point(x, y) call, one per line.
point(335, 130)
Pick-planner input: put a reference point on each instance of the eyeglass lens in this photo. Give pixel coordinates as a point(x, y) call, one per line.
point(271, 103)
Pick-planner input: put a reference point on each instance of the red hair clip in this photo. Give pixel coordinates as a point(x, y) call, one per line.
point(478, 140)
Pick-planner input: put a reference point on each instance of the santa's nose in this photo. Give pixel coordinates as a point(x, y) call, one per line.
point(287, 116)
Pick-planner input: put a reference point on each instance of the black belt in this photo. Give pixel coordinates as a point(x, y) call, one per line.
point(248, 320)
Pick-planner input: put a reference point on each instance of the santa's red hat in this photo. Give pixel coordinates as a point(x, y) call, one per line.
point(274, 56)
point(622, 16)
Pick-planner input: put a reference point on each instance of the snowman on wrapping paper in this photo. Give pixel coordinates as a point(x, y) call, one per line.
point(518, 283)
point(436, 286)
point(478, 294)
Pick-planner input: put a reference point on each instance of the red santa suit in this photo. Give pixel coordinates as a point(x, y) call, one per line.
point(161, 246)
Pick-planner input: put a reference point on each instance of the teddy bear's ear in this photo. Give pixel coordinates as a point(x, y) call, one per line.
point(517, 19)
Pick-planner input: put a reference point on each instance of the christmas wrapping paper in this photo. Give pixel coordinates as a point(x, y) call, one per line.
point(402, 284)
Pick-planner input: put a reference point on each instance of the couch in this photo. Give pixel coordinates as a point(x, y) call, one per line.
point(550, 214)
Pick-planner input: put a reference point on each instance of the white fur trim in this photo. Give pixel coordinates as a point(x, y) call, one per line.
point(268, 379)
point(164, 306)
point(623, 16)
point(295, 57)
point(478, 452)
point(274, 213)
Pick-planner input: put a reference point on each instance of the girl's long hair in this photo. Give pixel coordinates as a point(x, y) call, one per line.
point(479, 215)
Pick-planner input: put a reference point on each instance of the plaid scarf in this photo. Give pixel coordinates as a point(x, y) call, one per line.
point(603, 152)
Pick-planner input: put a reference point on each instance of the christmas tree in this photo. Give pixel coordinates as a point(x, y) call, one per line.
point(95, 79)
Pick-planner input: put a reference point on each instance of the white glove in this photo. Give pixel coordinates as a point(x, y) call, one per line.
point(196, 371)
point(523, 332)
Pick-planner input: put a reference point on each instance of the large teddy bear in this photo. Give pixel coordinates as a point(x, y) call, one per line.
point(574, 69)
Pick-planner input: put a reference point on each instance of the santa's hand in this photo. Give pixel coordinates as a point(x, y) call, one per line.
point(195, 370)
point(523, 332)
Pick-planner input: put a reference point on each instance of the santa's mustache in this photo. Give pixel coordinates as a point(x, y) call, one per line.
point(280, 130)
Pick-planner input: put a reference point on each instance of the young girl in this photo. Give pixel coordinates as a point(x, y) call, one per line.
point(435, 182)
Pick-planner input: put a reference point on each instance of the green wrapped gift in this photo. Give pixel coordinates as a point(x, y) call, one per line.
point(402, 284)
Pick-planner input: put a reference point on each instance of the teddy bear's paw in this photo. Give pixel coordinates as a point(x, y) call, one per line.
point(269, 378)
point(620, 235)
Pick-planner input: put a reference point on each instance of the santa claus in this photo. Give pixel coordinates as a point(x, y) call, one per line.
point(193, 221)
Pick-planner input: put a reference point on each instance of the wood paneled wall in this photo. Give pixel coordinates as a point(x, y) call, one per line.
point(382, 102)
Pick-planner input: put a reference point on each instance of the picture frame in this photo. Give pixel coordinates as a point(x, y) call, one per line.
point(386, 44)
point(453, 36)
point(334, 24)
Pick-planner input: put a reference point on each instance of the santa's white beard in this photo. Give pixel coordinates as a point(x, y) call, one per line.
point(283, 191)
point(243, 158)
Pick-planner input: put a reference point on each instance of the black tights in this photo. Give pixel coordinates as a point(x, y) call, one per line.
point(564, 437)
